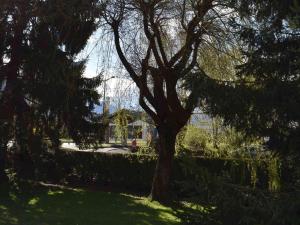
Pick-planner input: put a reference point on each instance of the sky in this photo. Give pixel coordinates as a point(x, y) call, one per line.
point(101, 58)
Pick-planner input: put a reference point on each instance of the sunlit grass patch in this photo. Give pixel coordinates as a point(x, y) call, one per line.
point(65, 206)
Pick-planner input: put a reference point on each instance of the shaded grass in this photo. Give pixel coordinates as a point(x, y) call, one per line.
point(41, 205)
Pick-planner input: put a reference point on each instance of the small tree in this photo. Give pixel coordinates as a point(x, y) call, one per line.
point(121, 122)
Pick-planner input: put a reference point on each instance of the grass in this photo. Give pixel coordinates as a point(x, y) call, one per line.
point(40, 205)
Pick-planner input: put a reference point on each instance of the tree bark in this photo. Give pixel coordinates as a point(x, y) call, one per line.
point(162, 174)
point(3, 150)
point(4, 137)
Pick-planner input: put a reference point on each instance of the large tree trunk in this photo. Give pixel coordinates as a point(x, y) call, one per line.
point(3, 150)
point(4, 137)
point(162, 174)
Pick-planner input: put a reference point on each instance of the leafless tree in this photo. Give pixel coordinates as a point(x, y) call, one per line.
point(158, 43)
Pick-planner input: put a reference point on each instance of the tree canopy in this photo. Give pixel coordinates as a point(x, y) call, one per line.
point(42, 85)
point(159, 42)
point(264, 100)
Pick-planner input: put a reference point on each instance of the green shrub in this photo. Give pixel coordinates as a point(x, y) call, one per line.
point(222, 142)
point(196, 139)
point(146, 150)
point(230, 202)
point(240, 205)
point(135, 171)
point(128, 171)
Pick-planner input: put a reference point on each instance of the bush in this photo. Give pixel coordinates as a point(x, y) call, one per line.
point(229, 202)
point(196, 139)
point(135, 171)
point(226, 143)
point(146, 150)
point(128, 171)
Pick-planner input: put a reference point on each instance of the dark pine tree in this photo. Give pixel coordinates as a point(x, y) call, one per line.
point(265, 99)
point(42, 87)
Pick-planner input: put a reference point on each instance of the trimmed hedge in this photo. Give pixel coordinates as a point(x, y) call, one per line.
point(135, 171)
point(129, 171)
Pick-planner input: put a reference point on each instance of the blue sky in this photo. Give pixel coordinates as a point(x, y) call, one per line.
point(101, 57)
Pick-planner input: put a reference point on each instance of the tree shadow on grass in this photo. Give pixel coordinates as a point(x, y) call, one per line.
point(63, 206)
point(195, 212)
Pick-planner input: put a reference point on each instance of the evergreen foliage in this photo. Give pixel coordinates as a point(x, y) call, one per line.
point(42, 87)
point(264, 99)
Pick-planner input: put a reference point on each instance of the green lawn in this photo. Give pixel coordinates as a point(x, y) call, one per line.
point(64, 206)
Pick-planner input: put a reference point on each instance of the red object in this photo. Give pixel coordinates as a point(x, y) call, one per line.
point(133, 144)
